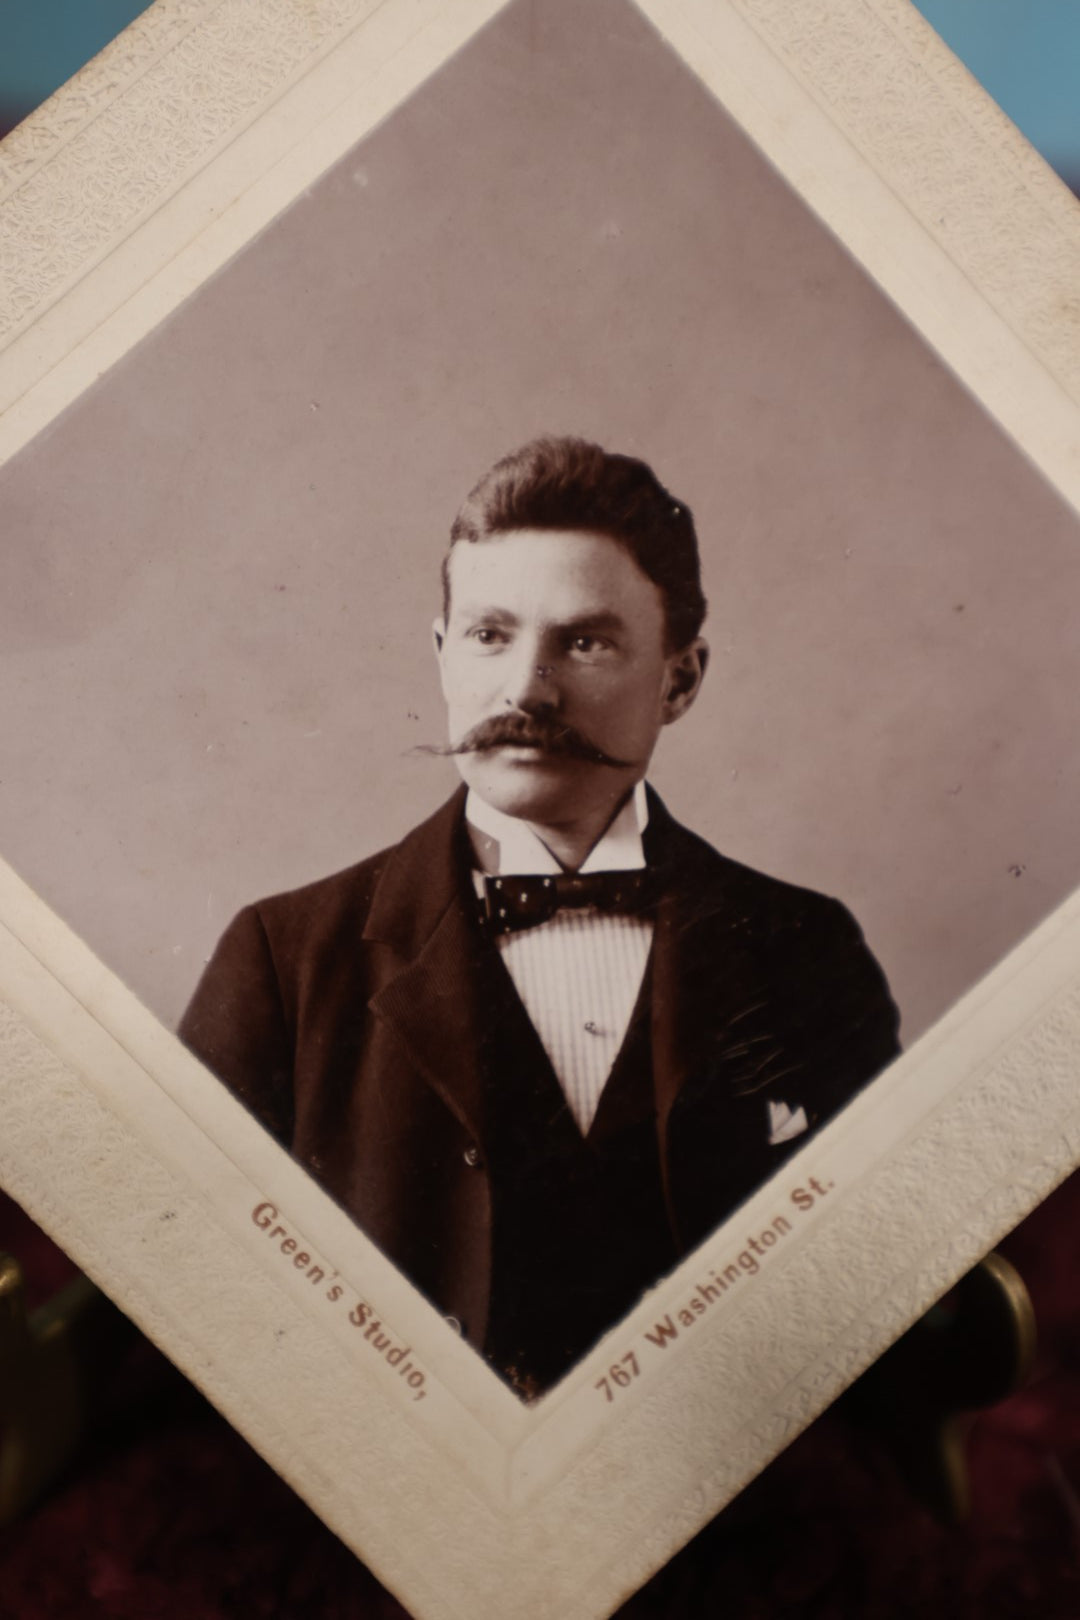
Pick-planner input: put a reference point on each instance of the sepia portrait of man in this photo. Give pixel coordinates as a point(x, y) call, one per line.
point(545, 1044)
point(548, 1042)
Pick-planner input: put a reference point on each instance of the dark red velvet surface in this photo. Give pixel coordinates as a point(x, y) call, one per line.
point(170, 1516)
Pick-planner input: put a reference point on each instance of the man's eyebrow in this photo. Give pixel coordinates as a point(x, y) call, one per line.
point(602, 619)
point(490, 615)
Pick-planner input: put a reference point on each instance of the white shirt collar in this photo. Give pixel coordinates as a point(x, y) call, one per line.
point(522, 852)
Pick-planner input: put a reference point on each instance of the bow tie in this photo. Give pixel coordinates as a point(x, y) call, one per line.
point(512, 903)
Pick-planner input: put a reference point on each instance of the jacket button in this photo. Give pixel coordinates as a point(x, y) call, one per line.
point(472, 1156)
point(456, 1323)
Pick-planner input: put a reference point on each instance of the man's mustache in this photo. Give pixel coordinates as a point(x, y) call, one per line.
point(547, 736)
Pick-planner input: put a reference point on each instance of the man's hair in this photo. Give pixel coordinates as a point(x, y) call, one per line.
point(566, 483)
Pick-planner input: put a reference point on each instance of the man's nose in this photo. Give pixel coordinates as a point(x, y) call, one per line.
point(533, 683)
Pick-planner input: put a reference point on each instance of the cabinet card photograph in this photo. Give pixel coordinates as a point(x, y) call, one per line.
point(539, 794)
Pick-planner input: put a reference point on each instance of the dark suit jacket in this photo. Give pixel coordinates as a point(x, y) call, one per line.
point(348, 1016)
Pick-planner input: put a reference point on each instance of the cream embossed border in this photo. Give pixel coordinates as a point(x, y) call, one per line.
point(118, 198)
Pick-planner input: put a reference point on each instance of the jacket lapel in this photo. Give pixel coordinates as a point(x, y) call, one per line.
point(699, 1016)
point(423, 917)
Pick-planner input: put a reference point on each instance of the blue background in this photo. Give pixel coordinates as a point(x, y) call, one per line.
point(1026, 53)
point(43, 42)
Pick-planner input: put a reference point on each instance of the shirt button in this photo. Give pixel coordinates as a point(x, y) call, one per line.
point(472, 1156)
point(456, 1323)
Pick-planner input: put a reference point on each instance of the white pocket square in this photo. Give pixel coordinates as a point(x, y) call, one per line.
point(783, 1124)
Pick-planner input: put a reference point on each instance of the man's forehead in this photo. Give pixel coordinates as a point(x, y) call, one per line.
point(584, 571)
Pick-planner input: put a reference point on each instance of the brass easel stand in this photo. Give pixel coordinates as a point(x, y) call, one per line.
point(52, 1368)
point(973, 1349)
point(920, 1398)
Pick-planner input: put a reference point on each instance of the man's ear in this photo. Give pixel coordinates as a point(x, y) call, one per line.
point(684, 675)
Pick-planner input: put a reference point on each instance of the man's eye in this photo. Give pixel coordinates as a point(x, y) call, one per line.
point(589, 645)
point(485, 635)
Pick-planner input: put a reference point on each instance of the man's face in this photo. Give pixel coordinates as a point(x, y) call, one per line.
point(554, 647)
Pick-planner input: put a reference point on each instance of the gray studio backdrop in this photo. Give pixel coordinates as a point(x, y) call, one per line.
point(220, 567)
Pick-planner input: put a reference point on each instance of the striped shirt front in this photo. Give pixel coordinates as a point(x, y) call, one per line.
point(578, 974)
